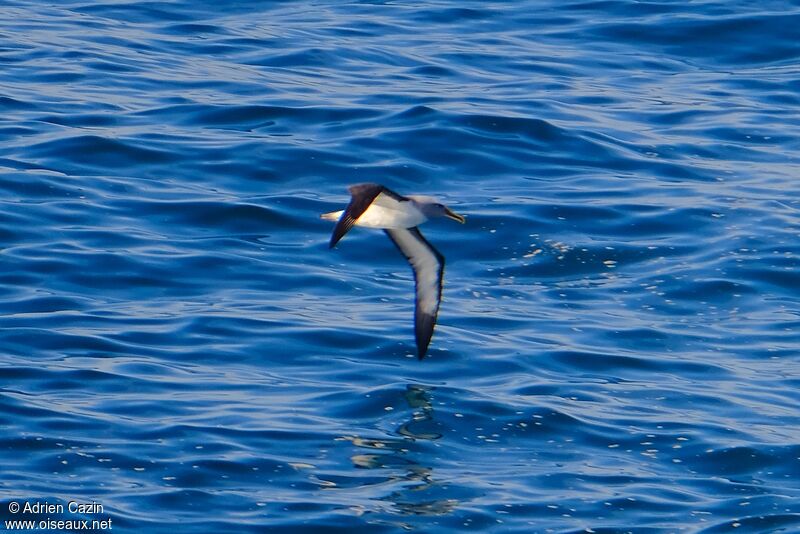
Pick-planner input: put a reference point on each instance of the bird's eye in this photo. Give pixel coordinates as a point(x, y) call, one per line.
point(439, 205)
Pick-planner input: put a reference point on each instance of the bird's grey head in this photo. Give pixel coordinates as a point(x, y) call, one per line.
point(431, 208)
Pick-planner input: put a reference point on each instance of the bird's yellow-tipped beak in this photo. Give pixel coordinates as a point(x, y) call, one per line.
point(455, 216)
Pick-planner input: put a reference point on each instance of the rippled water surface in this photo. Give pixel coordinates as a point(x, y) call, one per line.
point(617, 347)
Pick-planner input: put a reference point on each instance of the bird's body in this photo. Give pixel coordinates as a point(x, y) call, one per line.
point(377, 216)
point(375, 206)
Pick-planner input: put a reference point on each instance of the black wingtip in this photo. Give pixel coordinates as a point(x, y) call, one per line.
point(338, 234)
point(423, 332)
point(422, 349)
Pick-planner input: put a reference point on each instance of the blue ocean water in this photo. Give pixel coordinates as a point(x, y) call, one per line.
point(618, 347)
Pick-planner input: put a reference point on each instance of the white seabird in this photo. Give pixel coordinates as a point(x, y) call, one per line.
point(376, 206)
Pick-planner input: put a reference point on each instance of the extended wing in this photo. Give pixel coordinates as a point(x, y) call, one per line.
point(428, 265)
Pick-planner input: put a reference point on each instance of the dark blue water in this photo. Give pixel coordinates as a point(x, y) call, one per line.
point(618, 347)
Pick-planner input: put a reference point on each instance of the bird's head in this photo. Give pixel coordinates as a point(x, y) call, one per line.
point(431, 208)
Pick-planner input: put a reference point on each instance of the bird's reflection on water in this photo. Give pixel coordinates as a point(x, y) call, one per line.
point(419, 492)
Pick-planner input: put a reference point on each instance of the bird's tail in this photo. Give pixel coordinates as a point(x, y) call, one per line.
point(331, 216)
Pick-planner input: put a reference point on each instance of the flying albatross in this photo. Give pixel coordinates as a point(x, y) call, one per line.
point(376, 206)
